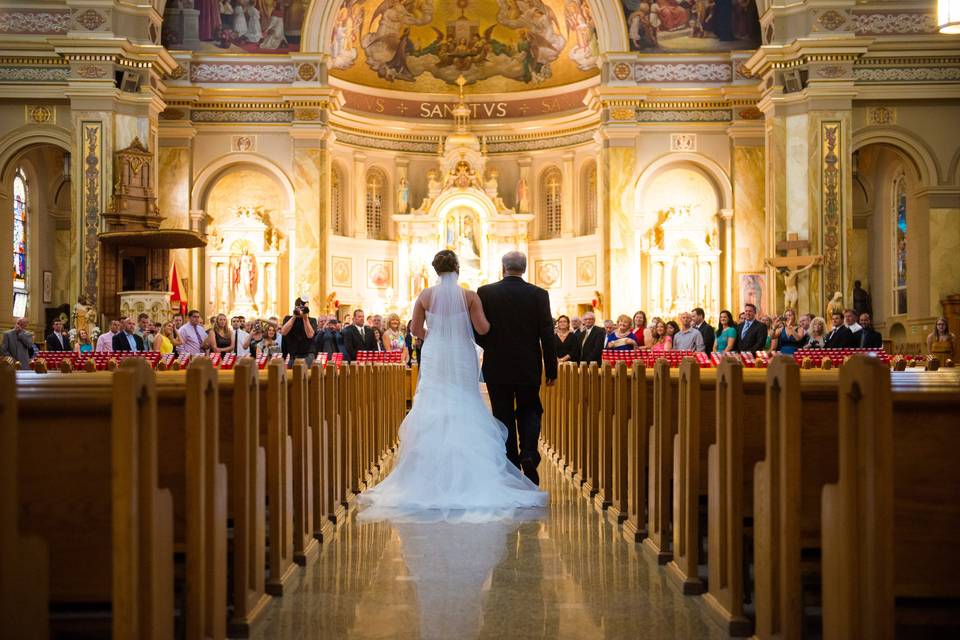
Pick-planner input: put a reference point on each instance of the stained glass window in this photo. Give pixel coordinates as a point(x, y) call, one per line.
point(552, 186)
point(375, 186)
point(900, 246)
point(19, 230)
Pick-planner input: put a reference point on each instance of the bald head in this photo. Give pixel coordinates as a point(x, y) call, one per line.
point(514, 263)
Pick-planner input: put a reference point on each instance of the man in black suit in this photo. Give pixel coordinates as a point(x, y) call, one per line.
point(56, 341)
point(700, 324)
point(870, 338)
point(840, 337)
point(127, 340)
point(751, 333)
point(357, 337)
point(589, 345)
point(519, 346)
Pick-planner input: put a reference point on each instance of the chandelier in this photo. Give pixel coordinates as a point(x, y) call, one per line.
point(948, 16)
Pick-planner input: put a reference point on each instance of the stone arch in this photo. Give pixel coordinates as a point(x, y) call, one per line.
point(716, 174)
point(607, 17)
point(209, 175)
point(921, 158)
point(22, 138)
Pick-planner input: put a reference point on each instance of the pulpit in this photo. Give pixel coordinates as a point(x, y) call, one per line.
point(155, 304)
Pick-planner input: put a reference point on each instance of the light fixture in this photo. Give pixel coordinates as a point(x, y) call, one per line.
point(948, 16)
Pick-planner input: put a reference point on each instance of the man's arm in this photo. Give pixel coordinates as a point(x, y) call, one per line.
point(307, 326)
point(546, 338)
point(287, 325)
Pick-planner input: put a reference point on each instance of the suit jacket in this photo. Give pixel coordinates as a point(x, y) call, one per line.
point(870, 339)
point(120, 342)
point(590, 350)
point(520, 344)
point(709, 336)
point(54, 344)
point(354, 342)
point(840, 338)
point(18, 346)
point(754, 340)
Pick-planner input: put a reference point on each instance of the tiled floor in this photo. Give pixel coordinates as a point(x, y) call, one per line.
point(566, 575)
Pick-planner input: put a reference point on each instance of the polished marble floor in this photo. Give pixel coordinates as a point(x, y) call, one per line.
point(565, 574)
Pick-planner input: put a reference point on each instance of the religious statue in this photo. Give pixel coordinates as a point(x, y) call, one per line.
point(434, 184)
point(467, 247)
point(243, 276)
point(791, 295)
point(835, 305)
point(80, 315)
point(491, 186)
point(403, 195)
point(523, 196)
point(861, 299)
point(685, 276)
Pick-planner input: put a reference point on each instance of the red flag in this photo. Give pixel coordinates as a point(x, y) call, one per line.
point(177, 294)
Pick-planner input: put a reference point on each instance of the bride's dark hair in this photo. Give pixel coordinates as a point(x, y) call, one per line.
point(446, 261)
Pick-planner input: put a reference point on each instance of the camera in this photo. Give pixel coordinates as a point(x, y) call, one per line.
point(300, 307)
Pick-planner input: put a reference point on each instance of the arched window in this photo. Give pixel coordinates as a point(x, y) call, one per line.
point(376, 183)
point(588, 222)
point(20, 209)
point(551, 189)
point(900, 244)
point(336, 200)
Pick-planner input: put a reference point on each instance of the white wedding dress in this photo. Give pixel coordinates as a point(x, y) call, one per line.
point(452, 459)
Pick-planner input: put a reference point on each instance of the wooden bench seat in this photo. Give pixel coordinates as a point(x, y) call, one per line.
point(107, 525)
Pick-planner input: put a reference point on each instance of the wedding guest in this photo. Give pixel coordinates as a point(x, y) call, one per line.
point(767, 321)
point(330, 340)
point(83, 343)
point(275, 321)
point(565, 340)
point(840, 336)
point(411, 342)
point(105, 341)
point(357, 337)
point(816, 336)
point(700, 324)
point(940, 341)
point(575, 325)
point(18, 344)
point(392, 337)
point(621, 338)
point(57, 341)
point(167, 340)
point(241, 339)
point(127, 339)
point(609, 327)
point(177, 321)
point(751, 333)
point(193, 335)
point(299, 332)
point(590, 346)
point(787, 335)
point(850, 319)
point(640, 327)
point(662, 341)
point(270, 344)
point(870, 338)
point(805, 321)
point(688, 338)
point(377, 344)
point(220, 339)
point(726, 333)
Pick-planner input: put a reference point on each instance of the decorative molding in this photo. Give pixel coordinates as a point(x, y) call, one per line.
point(621, 71)
point(34, 74)
point(705, 115)
point(831, 206)
point(243, 144)
point(41, 114)
point(893, 23)
point(228, 116)
point(623, 113)
point(740, 67)
point(91, 71)
point(306, 72)
point(831, 71)
point(15, 22)
point(242, 73)
point(906, 74)
point(411, 146)
point(307, 114)
point(683, 72)
point(831, 19)
point(91, 141)
point(882, 115)
point(750, 113)
point(683, 142)
point(90, 19)
point(542, 143)
point(172, 114)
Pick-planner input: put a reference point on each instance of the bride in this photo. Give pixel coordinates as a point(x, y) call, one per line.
point(452, 456)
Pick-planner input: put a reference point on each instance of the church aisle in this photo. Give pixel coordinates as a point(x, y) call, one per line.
point(567, 575)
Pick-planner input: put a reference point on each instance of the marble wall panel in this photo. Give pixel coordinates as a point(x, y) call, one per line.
point(944, 256)
point(173, 197)
point(748, 217)
point(250, 187)
point(307, 164)
point(624, 258)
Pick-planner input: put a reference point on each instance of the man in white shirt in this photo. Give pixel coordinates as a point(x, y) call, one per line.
point(689, 339)
point(105, 341)
point(241, 336)
point(850, 320)
point(193, 335)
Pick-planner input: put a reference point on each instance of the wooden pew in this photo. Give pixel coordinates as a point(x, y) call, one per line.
point(275, 433)
point(102, 442)
point(891, 566)
point(591, 420)
point(604, 439)
point(641, 417)
point(24, 570)
point(245, 459)
point(189, 466)
point(620, 425)
point(333, 393)
point(347, 416)
point(660, 464)
point(305, 545)
point(323, 476)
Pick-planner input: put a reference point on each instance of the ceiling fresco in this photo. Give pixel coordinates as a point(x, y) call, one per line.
point(688, 26)
point(496, 45)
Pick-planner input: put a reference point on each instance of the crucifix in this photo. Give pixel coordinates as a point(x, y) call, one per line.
point(792, 265)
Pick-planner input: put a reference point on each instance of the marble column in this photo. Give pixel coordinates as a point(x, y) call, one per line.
point(305, 231)
point(620, 263)
point(359, 180)
point(570, 214)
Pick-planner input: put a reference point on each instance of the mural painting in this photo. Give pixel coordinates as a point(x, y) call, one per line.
point(234, 26)
point(692, 25)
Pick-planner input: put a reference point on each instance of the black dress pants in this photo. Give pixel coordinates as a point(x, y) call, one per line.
point(518, 407)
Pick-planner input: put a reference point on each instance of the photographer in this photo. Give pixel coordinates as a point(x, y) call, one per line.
point(330, 340)
point(299, 331)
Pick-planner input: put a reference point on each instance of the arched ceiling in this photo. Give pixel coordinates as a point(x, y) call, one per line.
point(496, 45)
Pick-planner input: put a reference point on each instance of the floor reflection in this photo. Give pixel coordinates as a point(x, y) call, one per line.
point(565, 575)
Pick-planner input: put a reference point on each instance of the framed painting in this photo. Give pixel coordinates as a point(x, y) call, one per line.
point(47, 287)
point(341, 270)
point(752, 289)
point(587, 271)
point(549, 273)
point(379, 274)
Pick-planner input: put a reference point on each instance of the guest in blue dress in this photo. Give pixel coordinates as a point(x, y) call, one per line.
point(726, 333)
point(622, 339)
point(787, 334)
